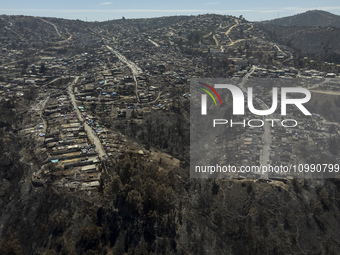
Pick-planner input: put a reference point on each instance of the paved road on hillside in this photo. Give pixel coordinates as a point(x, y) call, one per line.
point(42, 107)
point(136, 70)
point(99, 147)
point(267, 125)
point(154, 43)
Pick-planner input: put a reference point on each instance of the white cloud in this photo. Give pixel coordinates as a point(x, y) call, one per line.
point(105, 3)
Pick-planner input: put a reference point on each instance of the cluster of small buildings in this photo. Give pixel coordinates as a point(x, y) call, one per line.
point(110, 89)
point(71, 156)
point(67, 154)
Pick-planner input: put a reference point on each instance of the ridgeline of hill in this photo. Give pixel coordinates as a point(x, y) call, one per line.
point(314, 18)
point(313, 34)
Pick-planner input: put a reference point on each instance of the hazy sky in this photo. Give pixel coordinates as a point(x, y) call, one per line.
point(101, 10)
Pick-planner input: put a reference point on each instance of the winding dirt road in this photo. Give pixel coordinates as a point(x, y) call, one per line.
point(231, 28)
point(55, 27)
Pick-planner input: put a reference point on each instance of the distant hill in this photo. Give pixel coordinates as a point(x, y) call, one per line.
point(313, 18)
point(315, 42)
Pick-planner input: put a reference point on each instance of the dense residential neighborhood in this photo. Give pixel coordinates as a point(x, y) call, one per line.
point(95, 137)
point(124, 80)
